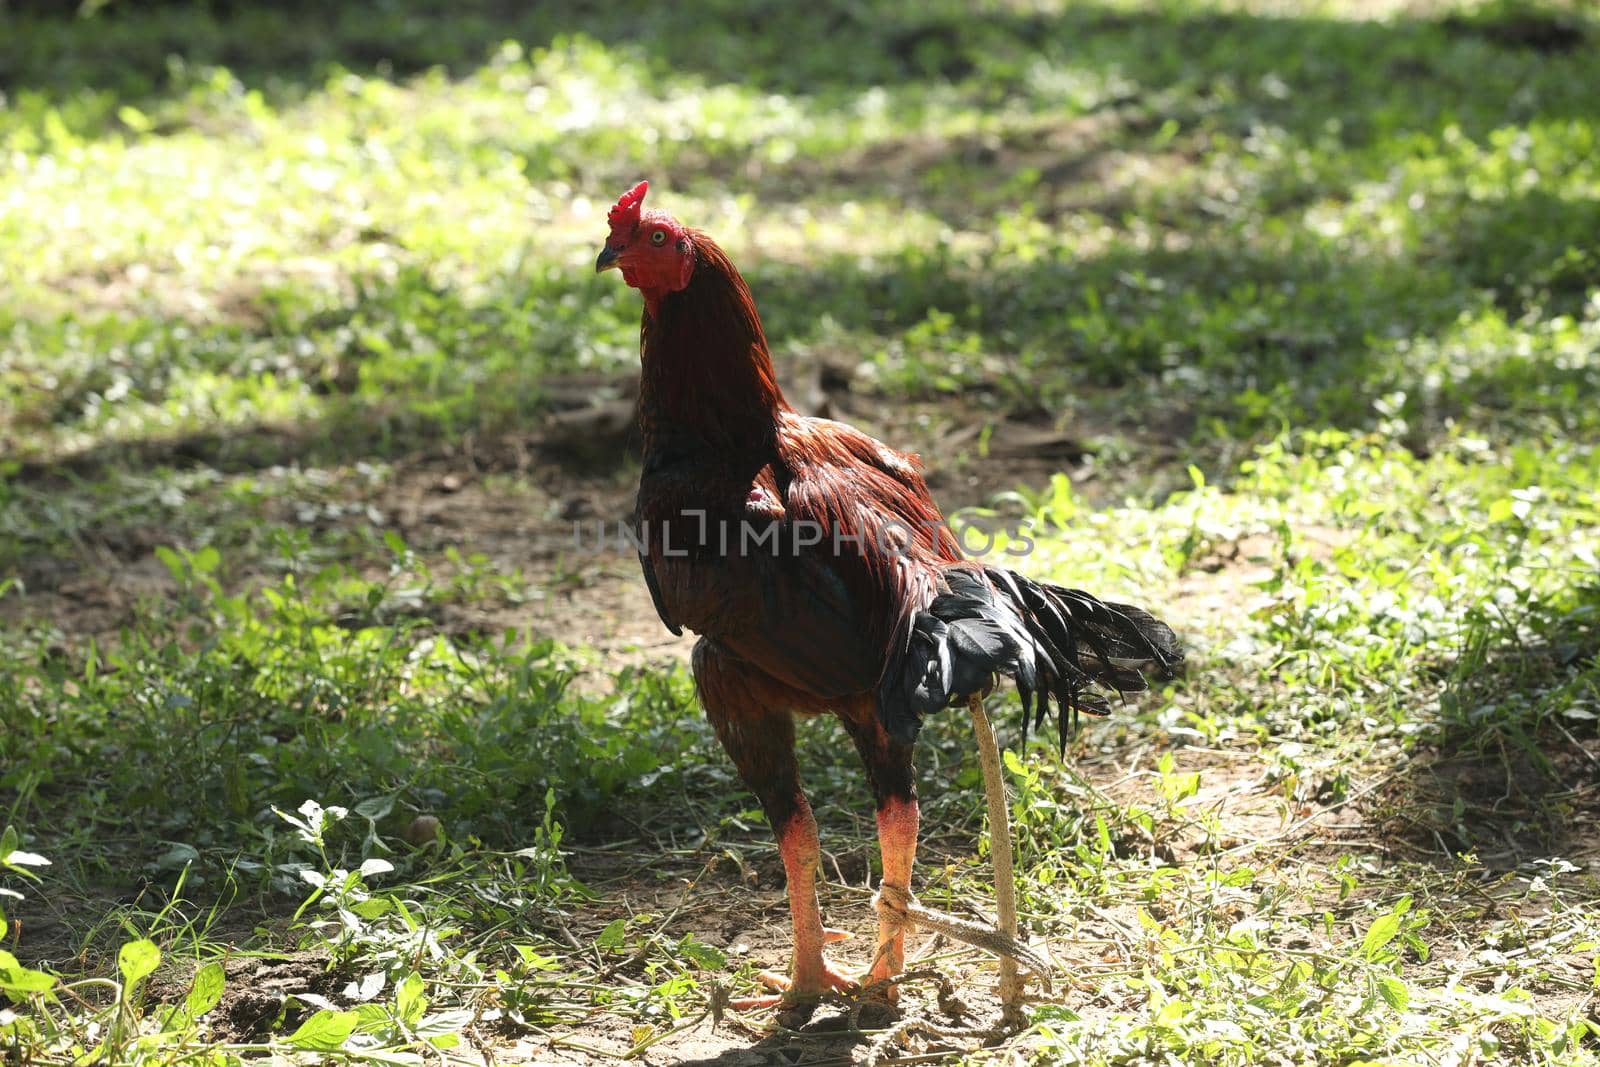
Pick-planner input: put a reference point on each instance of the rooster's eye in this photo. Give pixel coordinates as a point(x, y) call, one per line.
point(659, 237)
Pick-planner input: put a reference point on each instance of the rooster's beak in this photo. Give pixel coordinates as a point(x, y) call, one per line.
point(607, 260)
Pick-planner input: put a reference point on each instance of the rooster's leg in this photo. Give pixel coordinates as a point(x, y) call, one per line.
point(897, 841)
point(743, 706)
point(895, 789)
point(812, 975)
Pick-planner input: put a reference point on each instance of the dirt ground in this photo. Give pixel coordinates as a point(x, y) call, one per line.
point(516, 501)
point(535, 503)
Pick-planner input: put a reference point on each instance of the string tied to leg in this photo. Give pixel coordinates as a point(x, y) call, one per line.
point(899, 908)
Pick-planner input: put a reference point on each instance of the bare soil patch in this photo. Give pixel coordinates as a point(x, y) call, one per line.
point(535, 503)
point(253, 996)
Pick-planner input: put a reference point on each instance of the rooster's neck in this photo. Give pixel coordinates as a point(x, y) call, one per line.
point(706, 375)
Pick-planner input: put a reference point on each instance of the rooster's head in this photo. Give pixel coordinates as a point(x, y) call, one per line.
point(652, 249)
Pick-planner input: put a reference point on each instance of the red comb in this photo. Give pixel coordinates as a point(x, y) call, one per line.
point(625, 212)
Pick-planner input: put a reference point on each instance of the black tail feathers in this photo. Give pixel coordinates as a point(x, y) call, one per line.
point(1054, 642)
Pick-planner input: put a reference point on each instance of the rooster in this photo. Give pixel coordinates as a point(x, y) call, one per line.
point(821, 578)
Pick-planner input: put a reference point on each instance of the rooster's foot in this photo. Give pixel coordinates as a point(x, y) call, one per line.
point(796, 998)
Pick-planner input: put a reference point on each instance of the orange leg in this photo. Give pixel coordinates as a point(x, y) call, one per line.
point(894, 787)
point(748, 709)
point(897, 841)
point(811, 975)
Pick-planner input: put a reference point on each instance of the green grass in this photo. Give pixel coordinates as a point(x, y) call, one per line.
point(1315, 287)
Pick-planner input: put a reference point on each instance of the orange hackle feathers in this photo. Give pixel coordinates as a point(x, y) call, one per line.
point(706, 372)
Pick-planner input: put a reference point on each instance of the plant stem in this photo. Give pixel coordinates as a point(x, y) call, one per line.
point(1005, 884)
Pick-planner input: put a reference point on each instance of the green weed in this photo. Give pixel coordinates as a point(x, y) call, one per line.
point(1313, 290)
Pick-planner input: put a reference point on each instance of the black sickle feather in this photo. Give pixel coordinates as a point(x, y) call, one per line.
point(1055, 643)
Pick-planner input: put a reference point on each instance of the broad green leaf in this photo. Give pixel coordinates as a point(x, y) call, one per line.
point(137, 959)
point(316, 1000)
point(177, 856)
point(1394, 992)
point(366, 987)
point(325, 1031)
point(18, 981)
point(376, 807)
point(409, 1001)
point(373, 908)
point(26, 859)
point(611, 938)
point(1379, 934)
point(206, 991)
point(537, 960)
point(703, 955)
point(171, 1019)
point(373, 1018)
point(444, 1023)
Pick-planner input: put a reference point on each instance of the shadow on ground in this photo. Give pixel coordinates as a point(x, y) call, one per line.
point(1512, 774)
